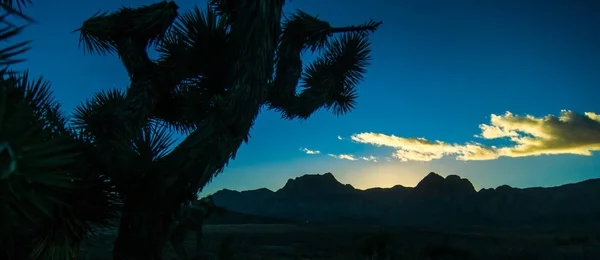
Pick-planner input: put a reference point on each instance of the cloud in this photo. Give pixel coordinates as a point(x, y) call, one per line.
point(307, 151)
point(340, 138)
point(369, 159)
point(567, 133)
point(349, 157)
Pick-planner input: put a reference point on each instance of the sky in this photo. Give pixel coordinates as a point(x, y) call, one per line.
point(496, 91)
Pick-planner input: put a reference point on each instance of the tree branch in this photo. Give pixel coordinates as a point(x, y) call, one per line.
point(129, 32)
point(330, 80)
point(252, 41)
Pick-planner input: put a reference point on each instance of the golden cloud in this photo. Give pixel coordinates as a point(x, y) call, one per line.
point(568, 133)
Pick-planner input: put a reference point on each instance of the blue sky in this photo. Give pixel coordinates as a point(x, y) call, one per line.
point(440, 70)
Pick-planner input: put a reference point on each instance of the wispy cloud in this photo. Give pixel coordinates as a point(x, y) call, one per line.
point(307, 151)
point(369, 159)
point(348, 157)
point(340, 138)
point(567, 133)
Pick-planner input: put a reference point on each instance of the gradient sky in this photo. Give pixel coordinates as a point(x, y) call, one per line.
point(441, 70)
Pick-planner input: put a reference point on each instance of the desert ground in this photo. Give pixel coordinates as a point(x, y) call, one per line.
point(306, 241)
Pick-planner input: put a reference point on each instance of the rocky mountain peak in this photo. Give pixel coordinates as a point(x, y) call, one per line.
point(314, 183)
point(431, 180)
point(452, 184)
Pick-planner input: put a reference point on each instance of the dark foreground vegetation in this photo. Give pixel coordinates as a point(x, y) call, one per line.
point(300, 241)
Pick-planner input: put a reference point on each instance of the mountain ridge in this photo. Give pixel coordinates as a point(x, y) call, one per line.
point(435, 200)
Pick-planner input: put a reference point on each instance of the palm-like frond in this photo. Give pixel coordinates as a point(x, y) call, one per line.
point(14, 7)
point(363, 29)
point(197, 39)
point(91, 204)
point(300, 31)
point(39, 97)
point(38, 155)
point(51, 194)
point(34, 176)
point(98, 117)
point(305, 31)
point(120, 144)
point(133, 153)
point(18, 4)
point(149, 144)
point(9, 54)
point(196, 45)
point(330, 81)
point(346, 59)
point(93, 35)
point(104, 33)
point(185, 108)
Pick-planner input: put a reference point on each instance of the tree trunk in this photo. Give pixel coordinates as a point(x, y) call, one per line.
point(144, 227)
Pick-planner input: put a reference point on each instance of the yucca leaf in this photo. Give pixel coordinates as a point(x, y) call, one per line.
point(98, 116)
point(93, 37)
point(38, 204)
point(9, 7)
point(8, 160)
point(8, 31)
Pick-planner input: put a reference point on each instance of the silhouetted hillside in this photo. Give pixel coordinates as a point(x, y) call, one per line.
point(434, 201)
point(225, 216)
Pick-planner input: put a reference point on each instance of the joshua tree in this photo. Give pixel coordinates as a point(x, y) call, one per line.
point(51, 193)
point(215, 71)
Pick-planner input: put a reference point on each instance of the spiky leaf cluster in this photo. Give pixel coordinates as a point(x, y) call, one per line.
point(52, 192)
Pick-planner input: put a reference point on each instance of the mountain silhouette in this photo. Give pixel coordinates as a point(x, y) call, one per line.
point(452, 184)
point(434, 201)
point(314, 185)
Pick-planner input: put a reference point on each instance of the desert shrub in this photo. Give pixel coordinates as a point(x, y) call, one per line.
point(444, 251)
point(377, 245)
point(226, 250)
point(575, 240)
